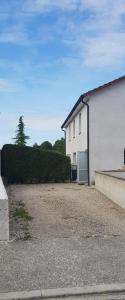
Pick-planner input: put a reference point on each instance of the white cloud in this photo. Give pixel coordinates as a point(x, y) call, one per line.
point(105, 51)
point(33, 121)
point(99, 40)
point(15, 34)
point(97, 6)
point(23, 7)
point(8, 121)
point(44, 123)
point(39, 128)
point(37, 122)
point(7, 86)
point(38, 6)
point(96, 39)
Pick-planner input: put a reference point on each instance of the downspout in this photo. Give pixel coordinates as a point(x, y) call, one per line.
point(64, 138)
point(88, 150)
point(65, 148)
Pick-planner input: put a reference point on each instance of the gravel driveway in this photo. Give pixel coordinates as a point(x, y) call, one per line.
point(77, 239)
point(69, 210)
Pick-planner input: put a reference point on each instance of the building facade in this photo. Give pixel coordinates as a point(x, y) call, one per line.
point(95, 130)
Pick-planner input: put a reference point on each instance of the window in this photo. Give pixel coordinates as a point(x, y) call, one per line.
point(74, 129)
point(69, 132)
point(74, 158)
point(80, 123)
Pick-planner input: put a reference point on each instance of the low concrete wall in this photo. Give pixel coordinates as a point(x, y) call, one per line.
point(4, 213)
point(112, 185)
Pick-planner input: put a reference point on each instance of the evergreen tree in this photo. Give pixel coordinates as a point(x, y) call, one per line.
point(21, 138)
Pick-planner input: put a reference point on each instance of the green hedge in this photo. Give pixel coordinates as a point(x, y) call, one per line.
point(29, 165)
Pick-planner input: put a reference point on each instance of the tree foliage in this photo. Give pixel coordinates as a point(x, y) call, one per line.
point(21, 138)
point(46, 146)
point(59, 146)
point(36, 146)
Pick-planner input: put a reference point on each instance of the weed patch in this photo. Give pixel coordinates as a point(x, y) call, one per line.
point(19, 221)
point(20, 212)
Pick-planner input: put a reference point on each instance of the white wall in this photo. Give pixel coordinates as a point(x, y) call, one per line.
point(4, 213)
point(107, 128)
point(112, 187)
point(79, 143)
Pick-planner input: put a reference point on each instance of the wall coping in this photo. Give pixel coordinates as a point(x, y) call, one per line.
point(106, 173)
point(3, 193)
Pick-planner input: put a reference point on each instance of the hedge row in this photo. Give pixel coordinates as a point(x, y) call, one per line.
point(29, 165)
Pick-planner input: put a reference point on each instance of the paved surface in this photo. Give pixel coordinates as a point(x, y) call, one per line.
point(61, 263)
point(104, 291)
point(104, 297)
point(77, 239)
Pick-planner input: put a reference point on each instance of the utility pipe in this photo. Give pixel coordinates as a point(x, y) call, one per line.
point(88, 150)
point(64, 138)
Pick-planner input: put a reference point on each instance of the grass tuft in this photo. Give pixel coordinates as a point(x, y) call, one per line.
point(21, 213)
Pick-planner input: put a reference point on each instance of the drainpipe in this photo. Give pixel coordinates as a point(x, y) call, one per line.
point(88, 160)
point(65, 148)
point(64, 138)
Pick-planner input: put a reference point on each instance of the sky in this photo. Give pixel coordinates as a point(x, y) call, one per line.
point(52, 51)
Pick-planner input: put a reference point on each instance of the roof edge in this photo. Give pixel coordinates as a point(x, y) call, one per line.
point(89, 93)
point(73, 109)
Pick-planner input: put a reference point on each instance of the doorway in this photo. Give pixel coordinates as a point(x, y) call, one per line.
point(82, 173)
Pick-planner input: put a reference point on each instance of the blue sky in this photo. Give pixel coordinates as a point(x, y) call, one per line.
point(51, 51)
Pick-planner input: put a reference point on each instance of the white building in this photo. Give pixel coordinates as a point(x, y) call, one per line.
point(95, 130)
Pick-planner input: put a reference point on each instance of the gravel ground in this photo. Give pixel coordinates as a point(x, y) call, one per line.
point(18, 227)
point(68, 210)
point(77, 239)
point(55, 263)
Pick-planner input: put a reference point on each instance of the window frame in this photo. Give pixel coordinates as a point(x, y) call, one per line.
point(80, 123)
point(69, 132)
point(74, 128)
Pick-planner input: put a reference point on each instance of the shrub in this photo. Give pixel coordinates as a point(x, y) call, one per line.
point(31, 165)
